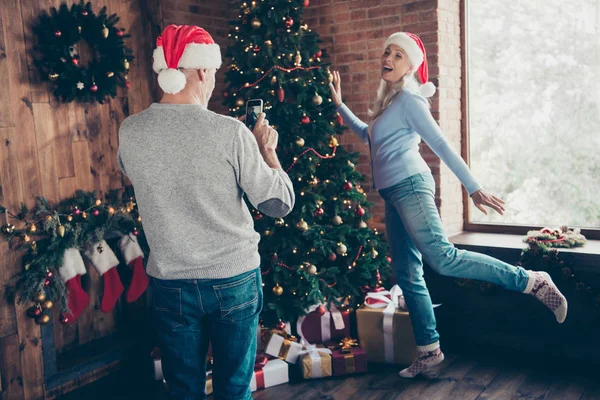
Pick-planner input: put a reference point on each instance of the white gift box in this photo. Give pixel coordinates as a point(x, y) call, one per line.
point(274, 373)
point(283, 348)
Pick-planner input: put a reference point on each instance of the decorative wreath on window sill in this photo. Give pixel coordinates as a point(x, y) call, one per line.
point(57, 56)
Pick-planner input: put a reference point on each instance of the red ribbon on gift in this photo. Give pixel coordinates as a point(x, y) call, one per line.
point(259, 363)
point(370, 301)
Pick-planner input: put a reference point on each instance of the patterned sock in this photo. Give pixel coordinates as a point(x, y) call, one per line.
point(427, 363)
point(540, 286)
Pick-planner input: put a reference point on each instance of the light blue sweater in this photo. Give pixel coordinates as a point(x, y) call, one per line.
point(395, 138)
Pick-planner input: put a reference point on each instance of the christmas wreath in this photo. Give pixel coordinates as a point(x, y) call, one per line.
point(561, 237)
point(58, 58)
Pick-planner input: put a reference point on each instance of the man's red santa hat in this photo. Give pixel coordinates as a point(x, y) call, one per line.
point(186, 47)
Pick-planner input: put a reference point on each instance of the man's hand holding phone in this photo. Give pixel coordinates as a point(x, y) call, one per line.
point(267, 139)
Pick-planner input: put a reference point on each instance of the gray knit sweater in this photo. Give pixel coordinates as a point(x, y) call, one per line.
point(190, 168)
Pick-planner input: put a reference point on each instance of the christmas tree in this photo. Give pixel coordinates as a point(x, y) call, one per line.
point(323, 251)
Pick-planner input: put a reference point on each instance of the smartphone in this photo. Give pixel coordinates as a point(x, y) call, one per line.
point(254, 108)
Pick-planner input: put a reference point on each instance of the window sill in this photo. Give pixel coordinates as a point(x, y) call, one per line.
point(473, 240)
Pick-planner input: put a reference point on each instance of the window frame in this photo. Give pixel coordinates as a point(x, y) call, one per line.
point(589, 233)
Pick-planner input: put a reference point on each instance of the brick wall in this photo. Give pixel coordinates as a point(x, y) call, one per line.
point(212, 15)
point(353, 32)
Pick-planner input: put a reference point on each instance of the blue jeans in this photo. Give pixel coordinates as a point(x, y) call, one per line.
point(190, 313)
point(414, 229)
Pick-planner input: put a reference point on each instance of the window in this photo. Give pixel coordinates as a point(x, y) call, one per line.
point(532, 109)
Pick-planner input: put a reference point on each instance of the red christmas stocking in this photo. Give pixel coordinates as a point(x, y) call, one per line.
point(105, 262)
point(70, 271)
point(134, 257)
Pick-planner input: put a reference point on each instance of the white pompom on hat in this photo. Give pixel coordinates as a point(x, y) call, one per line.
point(183, 46)
point(413, 46)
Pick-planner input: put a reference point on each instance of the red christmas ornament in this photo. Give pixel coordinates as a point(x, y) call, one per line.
point(258, 216)
point(75, 61)
point(289, 22)
point(37, 312)
point(120, 32)
point(256, 49)
point(321, 310)
point(128, 84)
point(76, 211)
point(136, 232)
point(47, 283)
point(389, 259)
point(280, 94)
point(339, 119)
point(280, 325)
point(57, 33)
point(359, 211)
point(306, 3)
point(84, 13)
point(95, 213)
point(347, 186)
point(305, 120)
point(318, 212)
point(49, 274)
point(93, 88)
point(331, 257)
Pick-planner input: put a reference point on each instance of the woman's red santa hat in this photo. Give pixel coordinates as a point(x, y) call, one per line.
point(413, 46)
point(183, 46)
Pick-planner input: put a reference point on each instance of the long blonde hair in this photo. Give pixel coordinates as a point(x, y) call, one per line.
point(385, 95)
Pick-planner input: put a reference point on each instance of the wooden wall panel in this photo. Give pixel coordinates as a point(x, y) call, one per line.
point(53, 149)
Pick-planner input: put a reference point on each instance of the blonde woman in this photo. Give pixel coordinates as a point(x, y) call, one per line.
point(399, 119)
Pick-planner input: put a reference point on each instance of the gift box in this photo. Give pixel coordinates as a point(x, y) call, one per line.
point(283, 346)
point(349, 359)
point(315, 327)
point(384, 329)
point(315, 362)
point(269, 373)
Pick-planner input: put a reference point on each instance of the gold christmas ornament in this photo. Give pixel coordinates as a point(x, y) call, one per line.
point(302, 225)
point(104, 32)
point(46, 305)
point(268, 232)
point(111, 210)
point(60, 230)
point(274, 80)
point(362, 224)
point(277, 290)
point(333, 142)
point(374, 253)
point(33, 228)
point(98, 202)
point(350, 164)
point(126, 64)
point(246, 11)
point(268, 43)
point(341, 249)
point(239, 102)
point(110, 74)
point(337, 220)
point(317, 100)
point(312, 269)
point(84, 215)
point(49, 218)
point(69, 218)
point(298, 59)
point(42, 320)
point(27, 238)
point(40, 297)
point(279, 222)
point(53, 77)
point(300, 142)
point(314, 182)
point(255, 23)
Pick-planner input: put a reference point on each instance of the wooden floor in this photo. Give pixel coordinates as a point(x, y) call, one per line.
point(466, 377)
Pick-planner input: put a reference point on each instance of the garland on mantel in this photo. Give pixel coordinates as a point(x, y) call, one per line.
point(43, 233)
